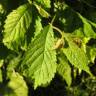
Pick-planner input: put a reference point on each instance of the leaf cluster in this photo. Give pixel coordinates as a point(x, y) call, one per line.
point(42, 38)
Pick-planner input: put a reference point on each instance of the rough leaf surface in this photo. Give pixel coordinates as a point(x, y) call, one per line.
point(75, 55)
point(64, 69)
point(40, 60)
point(15, 27)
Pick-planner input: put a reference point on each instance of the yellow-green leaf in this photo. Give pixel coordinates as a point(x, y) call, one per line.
point(39, 62)
point(76, 55)
point(64, 69)
point(15, 27)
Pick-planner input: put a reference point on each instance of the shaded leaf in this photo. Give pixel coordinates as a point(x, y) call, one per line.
point(13, 64)
point(1, 63)
point(41, 11)
point(15, 87)
point(91, 52)
point(87, 28)
point(64, 69)
point(45, 3)
point(1, 9)
point(38, 26)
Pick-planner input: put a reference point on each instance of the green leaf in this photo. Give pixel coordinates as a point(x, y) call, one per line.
point(76, 55)
point(69, 23)
point(41, 11)
point(92, 23)
point(16, 86)
point(45, 3)
point(1, 9)
point(1, 62)
point(78, 32)
point(87, 28)
point(38, 26)
point(40, 60)
point(13, 63)
point(15, 27)
point(64, 69)
point(91, 52)
point(1, 79)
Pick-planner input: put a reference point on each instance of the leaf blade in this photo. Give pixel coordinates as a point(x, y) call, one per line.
point(40, 62)
point(76, 55)
point(64, 69)
point(87, 28)
point(15, 27)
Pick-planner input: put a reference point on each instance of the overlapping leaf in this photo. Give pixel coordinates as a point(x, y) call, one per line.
point(38, 26)
point(15, 87)
point(15, 27)
point(1, 62)
point(91, 52)
point(40, 60)
point(75, 55)
point(64, 69)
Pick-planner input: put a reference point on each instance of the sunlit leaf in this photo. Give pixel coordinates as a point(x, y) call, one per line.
point(39, 62)
point(76, 55)
point(64, 69)
point(15, 27)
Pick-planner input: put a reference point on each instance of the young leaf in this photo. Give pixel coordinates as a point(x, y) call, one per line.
point(88, 30)
point(39, 62)
point(15, 27)
point(64, 69)
point(75, 55)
